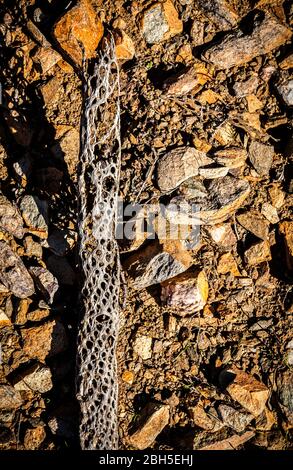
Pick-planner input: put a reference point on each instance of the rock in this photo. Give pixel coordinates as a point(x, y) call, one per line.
point(186, 293)
point(197, 33)
point(52, 91)
point(227, 264)
point(270, 213)
point(231, 443)
point(284, 88)
point(47, 340)
point(4, 319)
point(46, 58)
point(22, 309)
point(277, 196)
point(258, 253)
point(233, 157)
point(38, 315)
point(178, 165)
point(238, 48)
point(191, 79)
point(155, 418)
point(157, 263)
point(62, 270)
point(261, 157)
point(223, 235)
point(35, 214)
point(37, 378)
point(246, 88)
point(10, 399)
point(161, 22)
point(10, 218)
point(235, 419)
point(143, 347)
point(286, 229)
point(255, 223)
point(224, 197)
point(34, 438)
point(246, 390)
point(23, 170)
point(62, 426)
point(220, 12)
point(32, 248)
point(266, 420)
point(287, 62)
point(125, 49)
point(285, 394)
point(225, 134)
point(79, 31)
point(13, 273)
point(213, 172)
point(67, 148)
point(3, 163)
point(210, 422)
point(128, 377)
point(45, 282)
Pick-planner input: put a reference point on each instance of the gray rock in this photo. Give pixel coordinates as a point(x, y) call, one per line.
point(220, 13)
point(155, 26)
point(13, 273)
point(235, 419)
point(285, 90)
point(261, 156)
point(37, 378)
point(10, 398)
point(10, 218)
point(45, 282)
point(35, 213)
point(178, 165)
point(23, 169)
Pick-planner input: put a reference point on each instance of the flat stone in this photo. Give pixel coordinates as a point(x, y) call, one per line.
point(210, 422)
point(32, 248)
point(10, 218)
point(254, 222)
point(46, 58)
point(258, 253)
point(186, 293)
point(245, 88)
point(4, 319)
point(246, 390)
point(13, 273)
point(45, 282)
point(161, 22)
point(10, 399)
point(224, 196)
point(44, 341)
point(155, 419)
point(231, 443)
point(38, 315)
point(223, 235)
point(210, 173)
point(237, 48)
point(261, 157)
point(197, 33)
point(51, 91)
point(143, 346)
point(37, 378)
point(157, 263)
point(270, 213)
point(233, 157)
point(235, 419)
point(21, 313)
point(277, 196)
point(35, 214)
point(34, 438)
point(190, 80)
point(79, 31)
point(178, 165)
point(125, 49)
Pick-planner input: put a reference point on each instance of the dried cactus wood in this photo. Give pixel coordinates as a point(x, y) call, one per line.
point(98, 192)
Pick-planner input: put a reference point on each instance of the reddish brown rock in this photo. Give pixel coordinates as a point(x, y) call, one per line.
point(286, 229)
point(231, 443)
point(258, 253)
point(41, 342)
point(246, 390)
point(261, 157)
point(255, 223)
point(34, 438)
point(78, 31)
point(237, 48)
point(223, 235)
point(125, 49)
point(191, 79)
point(155, 419)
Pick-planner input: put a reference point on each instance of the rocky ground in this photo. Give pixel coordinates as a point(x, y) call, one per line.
point(205, 351)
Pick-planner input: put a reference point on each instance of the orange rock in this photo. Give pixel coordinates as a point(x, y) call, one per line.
point(157, 418)
point(34, 437)
point(128, 377)
point(79, 30)
point(227, 264)
point(286, 228)
point(258, 253)
point(125, 49)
